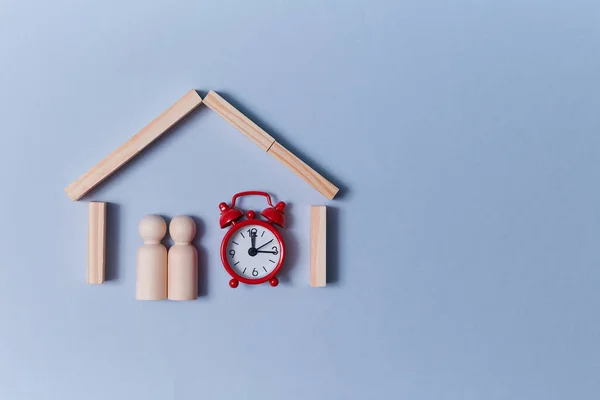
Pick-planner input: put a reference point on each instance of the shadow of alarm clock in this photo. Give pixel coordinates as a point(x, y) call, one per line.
point(253, 250)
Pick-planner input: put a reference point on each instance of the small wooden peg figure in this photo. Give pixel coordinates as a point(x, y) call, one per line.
point(183, 260)
point(151, 268)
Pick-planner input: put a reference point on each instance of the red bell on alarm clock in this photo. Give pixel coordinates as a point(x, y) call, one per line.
point(275, 214)
point(229, 215)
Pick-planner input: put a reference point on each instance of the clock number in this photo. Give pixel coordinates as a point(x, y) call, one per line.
point(232, 253)
point(254, 272)
point(252, 232)
point(274, 248)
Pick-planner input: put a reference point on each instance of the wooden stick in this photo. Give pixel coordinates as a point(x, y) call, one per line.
point(133, 146)
point(266, 142)
point(96, 242)
point(318, 246)
point(312, 177)
point(230, 114)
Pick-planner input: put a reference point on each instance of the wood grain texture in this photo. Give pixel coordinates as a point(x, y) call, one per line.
point(312, 177)
point(318, 246)
point(133, 146)
point(96, 242)
point(238, 120)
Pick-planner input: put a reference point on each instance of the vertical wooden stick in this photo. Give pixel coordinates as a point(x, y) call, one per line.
point(318, 246)
point(96, 242)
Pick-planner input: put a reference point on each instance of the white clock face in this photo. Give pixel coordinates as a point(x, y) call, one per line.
point(253, 251)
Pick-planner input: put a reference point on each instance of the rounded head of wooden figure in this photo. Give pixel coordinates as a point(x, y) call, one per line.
point(152, 228)
point(182, 229)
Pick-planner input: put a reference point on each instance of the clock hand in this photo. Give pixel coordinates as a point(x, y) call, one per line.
point(264, 244)
point(265, 251)
point(253, 239)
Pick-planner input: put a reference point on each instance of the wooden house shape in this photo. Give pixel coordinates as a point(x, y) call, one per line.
point(161, 124)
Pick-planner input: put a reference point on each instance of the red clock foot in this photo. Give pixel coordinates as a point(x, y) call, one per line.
point(233, 283)
point(274, 282)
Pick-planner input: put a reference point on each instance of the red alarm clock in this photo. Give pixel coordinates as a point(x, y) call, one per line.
point(253, 250)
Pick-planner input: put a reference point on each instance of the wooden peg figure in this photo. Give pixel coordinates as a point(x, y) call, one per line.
point(151, 268)
point(183, 260)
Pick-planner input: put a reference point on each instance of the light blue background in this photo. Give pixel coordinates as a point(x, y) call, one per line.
point(464, 244)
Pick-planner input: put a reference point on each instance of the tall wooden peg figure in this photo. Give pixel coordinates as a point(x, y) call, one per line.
point(183, 260)
point(151, 268)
